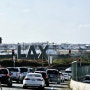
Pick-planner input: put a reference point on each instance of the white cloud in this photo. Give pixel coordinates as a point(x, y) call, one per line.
point(84, 25)
point(1, 13)
point(26, 10)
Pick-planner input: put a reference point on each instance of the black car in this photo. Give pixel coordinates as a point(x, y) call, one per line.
point(5, 77)
point(53, 75)
point(45, 77)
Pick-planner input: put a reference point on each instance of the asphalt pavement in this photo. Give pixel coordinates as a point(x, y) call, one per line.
point(53, 86)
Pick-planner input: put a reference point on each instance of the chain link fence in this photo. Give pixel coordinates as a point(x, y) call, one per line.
point(79, 71)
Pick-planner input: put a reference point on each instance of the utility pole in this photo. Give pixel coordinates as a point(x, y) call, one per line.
point(42, 60)
point(0, 40)
point(14, 61)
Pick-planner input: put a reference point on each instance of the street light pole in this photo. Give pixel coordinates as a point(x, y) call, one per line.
point(14, 61)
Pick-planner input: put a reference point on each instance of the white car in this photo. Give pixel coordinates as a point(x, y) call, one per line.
point(34, 80)
point(66, 76)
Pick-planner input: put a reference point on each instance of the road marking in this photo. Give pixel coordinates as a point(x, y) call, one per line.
point(52, 88)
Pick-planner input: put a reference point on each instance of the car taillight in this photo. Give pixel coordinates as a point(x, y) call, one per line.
point(7, 75)
point(40, 79)
point(16, 74)
point(26, 79)
point(46, 76)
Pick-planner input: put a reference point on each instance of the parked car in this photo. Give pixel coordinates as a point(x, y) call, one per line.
point(24, 71)
point(5, 77)
point(53, 75)
point(15, 73)
point(45, 76)
point(86, 79)
point(34, 80)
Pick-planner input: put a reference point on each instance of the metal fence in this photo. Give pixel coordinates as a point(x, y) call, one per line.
point(79, 71)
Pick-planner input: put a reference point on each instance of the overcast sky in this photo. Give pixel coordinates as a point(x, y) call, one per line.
point(59, 21)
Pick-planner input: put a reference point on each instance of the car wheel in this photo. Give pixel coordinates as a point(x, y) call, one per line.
point(9, 84)
point(41, 88)
point(58, 82)
point(18, 81)
point(47, 84)
point(24, 87)
point(21, 81)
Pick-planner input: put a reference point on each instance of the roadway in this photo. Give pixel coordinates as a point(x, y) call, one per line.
point(53, 86)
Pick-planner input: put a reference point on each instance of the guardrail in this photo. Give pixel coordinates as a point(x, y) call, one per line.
point(74, 85)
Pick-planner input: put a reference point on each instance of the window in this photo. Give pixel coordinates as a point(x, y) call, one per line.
point(23, 70)
point(34, 75)
point(13, 69)
point(3, 71)
point(52, 72)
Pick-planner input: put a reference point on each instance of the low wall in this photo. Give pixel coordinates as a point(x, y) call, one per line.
point(74, 85)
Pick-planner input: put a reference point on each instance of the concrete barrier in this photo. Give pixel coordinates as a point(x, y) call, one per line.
point(74, 85)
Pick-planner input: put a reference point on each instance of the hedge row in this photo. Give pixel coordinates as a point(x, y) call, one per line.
point(18, 63)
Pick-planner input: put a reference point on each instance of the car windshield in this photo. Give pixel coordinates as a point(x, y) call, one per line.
point(3, 71)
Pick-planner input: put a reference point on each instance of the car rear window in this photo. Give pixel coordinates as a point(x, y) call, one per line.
point(31, 70)
point(52, 72)
point(13, 69)
point(3, 71)
point(23, 70)
point(43, 74)
point(34, 75)
point(40, 69)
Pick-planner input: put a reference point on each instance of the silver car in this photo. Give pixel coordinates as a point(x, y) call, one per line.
point(15, 73)
point(24, 71)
